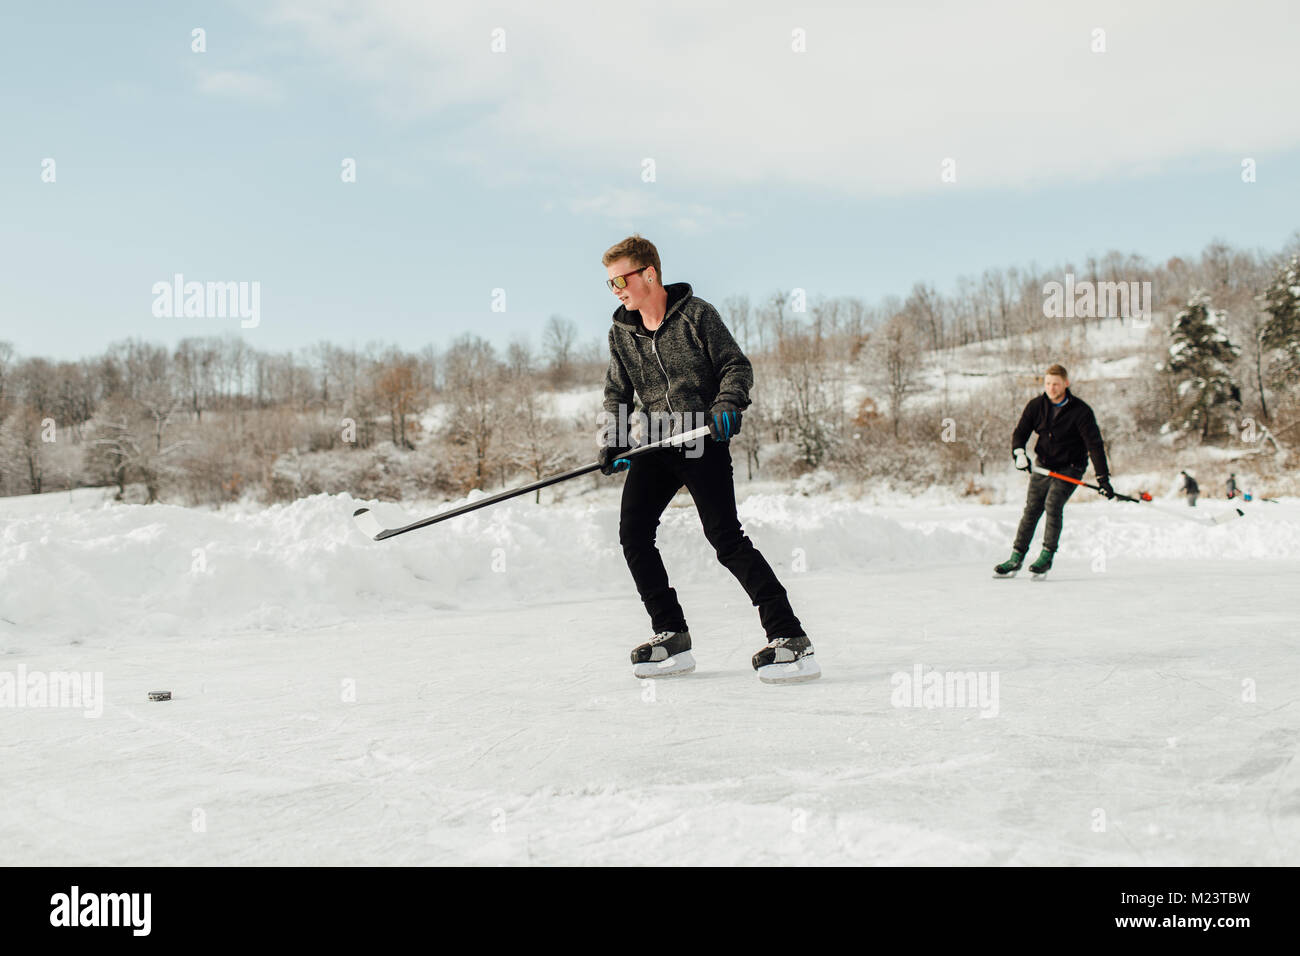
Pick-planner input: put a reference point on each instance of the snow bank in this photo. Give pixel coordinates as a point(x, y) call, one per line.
point(109, 569)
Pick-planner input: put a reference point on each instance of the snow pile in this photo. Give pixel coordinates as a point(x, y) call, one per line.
point(113, 570)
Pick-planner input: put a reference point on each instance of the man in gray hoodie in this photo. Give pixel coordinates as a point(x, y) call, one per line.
point(671, 349)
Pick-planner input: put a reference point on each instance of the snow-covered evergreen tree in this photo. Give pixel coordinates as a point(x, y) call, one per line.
point(1281, 332)
point(1200, 362)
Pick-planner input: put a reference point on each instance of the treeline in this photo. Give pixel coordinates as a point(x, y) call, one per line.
point(1220, 363)
point(855, 387)
point(215, 419)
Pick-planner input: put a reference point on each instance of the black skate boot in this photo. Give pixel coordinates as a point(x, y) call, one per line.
point(667, 654)
point(787, 660)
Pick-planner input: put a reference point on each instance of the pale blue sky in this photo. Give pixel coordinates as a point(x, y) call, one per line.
point(477, 170)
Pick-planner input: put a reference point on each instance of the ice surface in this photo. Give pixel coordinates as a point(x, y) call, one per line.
point(463, 695)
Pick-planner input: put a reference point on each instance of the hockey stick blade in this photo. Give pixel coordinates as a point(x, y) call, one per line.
point(368, 523)
point(1228, 516)
point(1206, 521)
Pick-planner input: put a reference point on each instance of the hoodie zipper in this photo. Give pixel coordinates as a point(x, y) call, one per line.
point(653, 336)
point(667, 381)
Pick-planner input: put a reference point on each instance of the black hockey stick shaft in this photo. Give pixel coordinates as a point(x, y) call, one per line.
point(682, 439)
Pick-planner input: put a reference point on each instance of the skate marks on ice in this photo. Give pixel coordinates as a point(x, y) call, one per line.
point(478, 738)
point(1272, 752)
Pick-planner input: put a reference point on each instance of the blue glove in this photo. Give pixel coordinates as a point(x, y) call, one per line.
point(611, 459)
point(724, 421)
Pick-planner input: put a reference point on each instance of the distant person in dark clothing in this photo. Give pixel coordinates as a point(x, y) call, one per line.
point(1191, 489)
point(1232, 486)
point(1067, 437)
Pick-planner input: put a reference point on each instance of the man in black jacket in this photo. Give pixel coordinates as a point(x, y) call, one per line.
point(671, 348)
point(1067, 436)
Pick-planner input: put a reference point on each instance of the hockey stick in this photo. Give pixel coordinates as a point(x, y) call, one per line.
point(1147, 499)
point(1083, 484)
point(371, 527)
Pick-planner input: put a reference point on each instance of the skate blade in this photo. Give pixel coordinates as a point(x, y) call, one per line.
point(1004, 577)
point(793, 672)
point(1038, 576)
point(676, 666)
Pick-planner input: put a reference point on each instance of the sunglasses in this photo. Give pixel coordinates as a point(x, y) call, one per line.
point(620, 282)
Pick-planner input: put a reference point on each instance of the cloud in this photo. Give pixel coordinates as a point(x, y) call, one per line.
point(632, 208)
point(239, 84)
point(1011, 91)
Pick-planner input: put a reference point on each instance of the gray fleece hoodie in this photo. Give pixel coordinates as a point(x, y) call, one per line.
point(685, 366)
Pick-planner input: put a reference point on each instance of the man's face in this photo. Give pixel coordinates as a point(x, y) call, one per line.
point(637, 291)
point(1055, 387)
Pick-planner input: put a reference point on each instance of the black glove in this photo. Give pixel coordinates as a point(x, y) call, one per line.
point(724, 421)
point(611, 459)
point(1103, 486)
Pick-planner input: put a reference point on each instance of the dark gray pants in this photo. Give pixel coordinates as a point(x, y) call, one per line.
point(1050, 495)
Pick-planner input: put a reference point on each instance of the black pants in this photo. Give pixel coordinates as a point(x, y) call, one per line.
point(651, 483)
point(1050, 495)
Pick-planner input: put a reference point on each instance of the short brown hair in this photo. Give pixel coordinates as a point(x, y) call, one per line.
point(1059, 371)
point(642, 252)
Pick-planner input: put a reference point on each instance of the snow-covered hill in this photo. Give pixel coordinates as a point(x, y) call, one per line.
point(101, 571)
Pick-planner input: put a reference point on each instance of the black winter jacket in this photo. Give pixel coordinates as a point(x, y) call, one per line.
point(685, 366)
point(1065, 442)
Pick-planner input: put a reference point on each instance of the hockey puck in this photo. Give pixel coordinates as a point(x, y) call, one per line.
point(160, 695)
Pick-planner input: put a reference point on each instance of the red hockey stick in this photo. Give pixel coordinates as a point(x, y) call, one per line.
point(1084, 484)
point(1147, 499)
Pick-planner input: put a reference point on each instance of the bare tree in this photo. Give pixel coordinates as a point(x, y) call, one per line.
point(534, 440)
point(131, 435)
point(926, 308)
point(897, 353)
point(738, 315)
point(750, 439)
point(772, 316)
point(6, 373)
point(74, 396)
point(196, 361)
point(399, 388)
point(520, 363)
point(855, 325)
point(131, 447)
point(995, 288)
point(809, 404)
point(473, 382)
point(559, 336)
point(986, 424)
point(34, 385)
point(430, 366)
